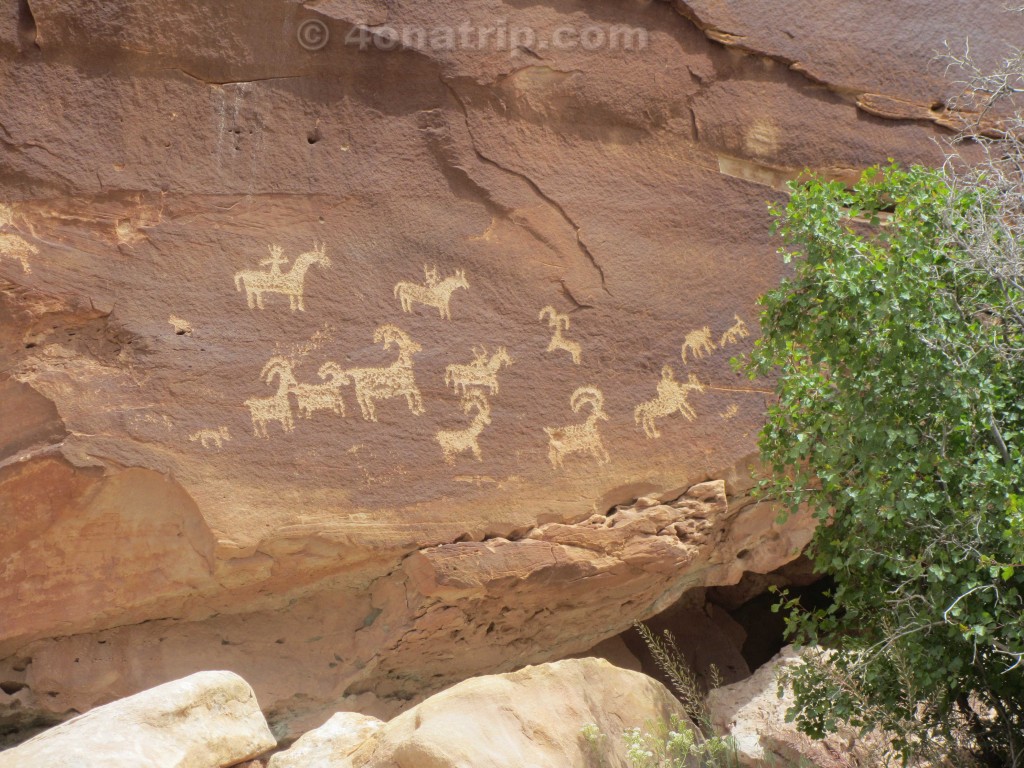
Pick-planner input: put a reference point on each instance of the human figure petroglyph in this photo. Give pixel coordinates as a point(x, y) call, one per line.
point(433, 293)
point(582, 438)
point(560, 323)
point(321, 397)
point(18, 248)
point(737, 331)
point(290, 283)
point(699, 342)
point(456, 441)
point(395, 380)
point(211, 438)
point(672, 397)
point(482, 372)
point(264, 410)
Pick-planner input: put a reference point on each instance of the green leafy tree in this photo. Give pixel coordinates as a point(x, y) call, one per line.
point(899, 366)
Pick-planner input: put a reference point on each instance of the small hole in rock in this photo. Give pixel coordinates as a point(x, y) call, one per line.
point(10, 687)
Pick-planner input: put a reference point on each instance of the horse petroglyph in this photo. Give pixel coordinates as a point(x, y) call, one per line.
point(482, 372)
point(737, 331)
point(456, 441)
point(273, 280)
point(395, 380)
point(672, 397)
point(432, 293)
point(211, 438)
point(699, 342)
point(579, 438)
point(278, 407)
point(559, 323)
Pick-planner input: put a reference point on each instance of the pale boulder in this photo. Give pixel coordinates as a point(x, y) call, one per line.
point(532, 717)
point(330, 743)
point(206, 720)
point(755, 715)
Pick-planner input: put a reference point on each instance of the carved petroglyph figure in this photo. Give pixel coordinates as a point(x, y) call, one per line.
point(290, 283)
point(559, 323)
point(672, 397)
point(211, 438)
point(433, 293)
point(482, 372)
point(19, 249)
point(737, 331)
point(396, 380)
point(579, 438)
point(278, 407)
point(699, 342)
point(321, 397)
point(456, 441)
point(730, 412)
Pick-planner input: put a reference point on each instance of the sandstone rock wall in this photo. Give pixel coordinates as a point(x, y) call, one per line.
point(323, 363)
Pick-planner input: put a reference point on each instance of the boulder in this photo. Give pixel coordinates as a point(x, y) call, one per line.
point(329, 744)
point(206, 720)
point(532, 717)
point(754, 713)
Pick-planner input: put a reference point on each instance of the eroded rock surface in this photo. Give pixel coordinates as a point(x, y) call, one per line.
point(345, 366)
point(206, 720)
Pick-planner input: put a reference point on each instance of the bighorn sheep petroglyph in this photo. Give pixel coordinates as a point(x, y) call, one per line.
point(395, 380)
point(559, 323)
point(456, 441)
point(579, 438)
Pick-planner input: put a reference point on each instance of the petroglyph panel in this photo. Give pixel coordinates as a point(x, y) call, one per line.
point(559, 324)
point(583, 438)
point(290, 283)
point(433, 292)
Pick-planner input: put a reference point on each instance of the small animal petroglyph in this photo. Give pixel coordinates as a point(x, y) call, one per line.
point(395, 380)
point(273, 280)
point(278, 407)
point(672, 397)
point(181, 327)
point(730, 412)
point(211, 438)
point(482, 372)
point(737, 331)
point(559, 323)
point(432, 293)
point(18, 248)
point(456, 441)
point(699, 342)
point(321, 397)
point(579, 438)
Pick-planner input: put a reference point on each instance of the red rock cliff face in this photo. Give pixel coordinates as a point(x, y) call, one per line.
point(359, 349)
